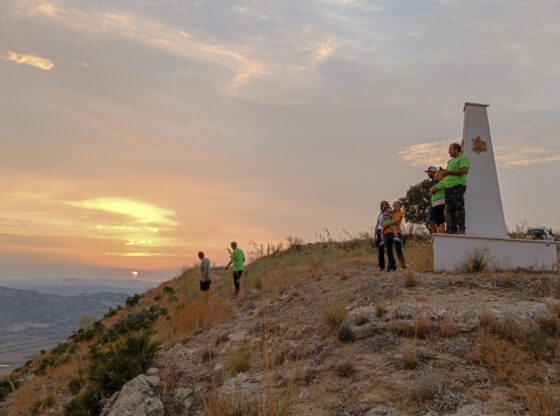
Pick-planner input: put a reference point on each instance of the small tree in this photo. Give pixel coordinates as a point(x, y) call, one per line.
point(416, 203)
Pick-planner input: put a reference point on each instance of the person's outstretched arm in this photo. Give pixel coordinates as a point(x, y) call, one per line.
point(229, 264)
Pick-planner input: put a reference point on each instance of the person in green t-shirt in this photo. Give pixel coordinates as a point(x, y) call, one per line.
point(437, 193)
point(205, 278)
point(455, 182)
point(237, 258)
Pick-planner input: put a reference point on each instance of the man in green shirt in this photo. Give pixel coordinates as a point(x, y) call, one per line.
point(237, 258)
point(455, 182)
point(205, 279)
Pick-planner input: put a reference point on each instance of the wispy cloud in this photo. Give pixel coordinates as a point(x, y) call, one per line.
point(510, 154)
point(139, 212)
point(426, 154)
point(32, 60)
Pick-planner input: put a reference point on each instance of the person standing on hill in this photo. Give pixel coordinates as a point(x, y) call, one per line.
point(394, 239)
point(238, 260)
point(378, 236)
point(204, 272)
point(455, 182)
point(431, 171)
point(437, 193)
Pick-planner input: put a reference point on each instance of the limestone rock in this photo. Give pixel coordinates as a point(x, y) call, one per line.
point(152, 371)
point(153, 381)
point(469, 410)
point(135, 398)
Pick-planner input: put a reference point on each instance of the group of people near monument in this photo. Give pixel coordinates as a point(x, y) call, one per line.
point(447, 195)
point(447, 199)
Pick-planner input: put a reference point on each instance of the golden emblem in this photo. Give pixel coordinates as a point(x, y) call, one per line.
point(479, 145)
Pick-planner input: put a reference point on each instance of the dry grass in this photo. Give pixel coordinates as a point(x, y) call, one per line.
point(402, 328)
point(239, 361)
point(540, 401)
point(380, 309)
point(345, 369)
point(199, 314)
point(447, 328)
point(409, 278)
point(410, 359)
point(420, 257)
point(422, 327)
point(333, 313)
point(485, 318)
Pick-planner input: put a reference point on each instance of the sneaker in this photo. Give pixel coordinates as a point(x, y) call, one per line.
point(398, 239)
point(382, 243)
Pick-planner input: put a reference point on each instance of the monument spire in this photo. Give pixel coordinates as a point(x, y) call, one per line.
point(483, 203)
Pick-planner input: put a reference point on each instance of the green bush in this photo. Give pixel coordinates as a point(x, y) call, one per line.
point(41, 404)
point(168, 290)
point(135, 322)
point(131, 356)
point(132, 300)
point(75, 385)
point(6, 387)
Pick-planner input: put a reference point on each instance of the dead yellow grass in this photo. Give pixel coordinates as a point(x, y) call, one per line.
point(199, 314)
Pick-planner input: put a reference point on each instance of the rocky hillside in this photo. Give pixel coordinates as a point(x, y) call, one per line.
point(317, 330)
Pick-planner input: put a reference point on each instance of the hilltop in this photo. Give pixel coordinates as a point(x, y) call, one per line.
point(317, 330)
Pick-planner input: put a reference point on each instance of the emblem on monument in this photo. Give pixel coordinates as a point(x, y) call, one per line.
point(479, 145)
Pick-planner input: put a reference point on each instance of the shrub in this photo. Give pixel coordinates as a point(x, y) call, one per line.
point(333, 314)
point(485, 318)
point(345, 334)
point(410, 278)
point(410, 359)
point(168, 290)
point(345, 369)
point(41, 404)
point(401, 328)
point(111, 312)
point(422, 327)
point(131, 356)
point(132, 300)
point(6, 387)
point(75, 385)
point(447, 329)
point(239, 361)
point(477, 261)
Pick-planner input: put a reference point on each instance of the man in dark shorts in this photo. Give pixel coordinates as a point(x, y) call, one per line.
point(204, 272)
point(237, 258)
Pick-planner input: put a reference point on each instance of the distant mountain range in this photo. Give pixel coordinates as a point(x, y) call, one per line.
point(31, 320)
point(74, 286)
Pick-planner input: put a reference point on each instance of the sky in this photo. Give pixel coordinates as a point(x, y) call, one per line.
point(136, 133)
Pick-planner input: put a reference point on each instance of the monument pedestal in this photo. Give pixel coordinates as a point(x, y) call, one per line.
point(486, 232)
point(453, 252)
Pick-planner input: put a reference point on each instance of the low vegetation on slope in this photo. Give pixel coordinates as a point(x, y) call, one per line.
point(316, 330)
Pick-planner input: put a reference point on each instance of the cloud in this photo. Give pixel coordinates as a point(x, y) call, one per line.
point(139, 212)
point(426, 154)
point(32, 60)
point(509, 153)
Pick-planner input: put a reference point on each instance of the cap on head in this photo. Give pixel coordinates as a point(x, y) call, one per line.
point(431, 169)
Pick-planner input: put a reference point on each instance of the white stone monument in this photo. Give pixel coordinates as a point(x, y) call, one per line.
point(486, 233)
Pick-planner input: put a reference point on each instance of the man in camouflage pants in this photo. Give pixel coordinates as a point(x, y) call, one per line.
point(455, 182)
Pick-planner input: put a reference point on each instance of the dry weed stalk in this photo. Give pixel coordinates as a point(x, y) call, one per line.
point(410, 278)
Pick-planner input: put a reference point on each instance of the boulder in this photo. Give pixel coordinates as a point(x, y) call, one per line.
point(135, 398)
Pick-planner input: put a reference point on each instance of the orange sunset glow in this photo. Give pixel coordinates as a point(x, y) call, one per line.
point(134, 135)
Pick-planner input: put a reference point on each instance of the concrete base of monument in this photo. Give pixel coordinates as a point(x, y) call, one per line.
point(454, 252)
